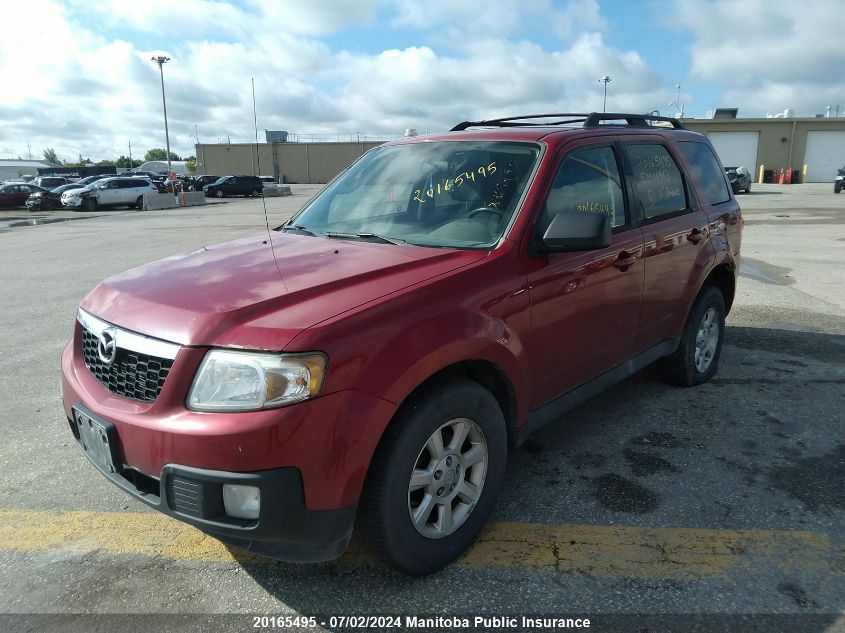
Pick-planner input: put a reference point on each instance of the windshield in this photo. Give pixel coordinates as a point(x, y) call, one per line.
point(459, 194)
point(221, 180)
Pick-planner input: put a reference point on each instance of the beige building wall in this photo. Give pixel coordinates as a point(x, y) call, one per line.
point(781, 145)
point(297, 162)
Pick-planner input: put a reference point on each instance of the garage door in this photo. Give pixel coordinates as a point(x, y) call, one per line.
point(825, 154)
point(736, 149)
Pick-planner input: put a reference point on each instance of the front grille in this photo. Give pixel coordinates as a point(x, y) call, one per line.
point(132, 375)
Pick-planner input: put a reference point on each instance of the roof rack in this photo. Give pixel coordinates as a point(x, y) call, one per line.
point(592, 119)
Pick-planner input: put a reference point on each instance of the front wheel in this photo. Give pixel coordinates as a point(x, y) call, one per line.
point(697, 357)
point(89, 204)
point(256, 192)
point(435, 477)
point(837, 188)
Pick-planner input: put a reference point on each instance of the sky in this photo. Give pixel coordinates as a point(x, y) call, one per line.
point(77, 75)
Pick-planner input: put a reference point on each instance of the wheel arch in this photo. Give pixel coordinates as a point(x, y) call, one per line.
point(723, 277)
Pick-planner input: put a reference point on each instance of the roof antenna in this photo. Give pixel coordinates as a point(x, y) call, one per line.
point(263, 200)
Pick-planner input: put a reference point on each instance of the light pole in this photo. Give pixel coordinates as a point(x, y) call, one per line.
point(202, 149)
point(161, 60)
point(605, 80)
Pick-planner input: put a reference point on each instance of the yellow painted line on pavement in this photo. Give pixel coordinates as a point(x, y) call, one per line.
point(592, 550)
point(615, 551)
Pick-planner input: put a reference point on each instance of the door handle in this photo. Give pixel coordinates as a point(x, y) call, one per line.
point(696, 235)
point(624, 261)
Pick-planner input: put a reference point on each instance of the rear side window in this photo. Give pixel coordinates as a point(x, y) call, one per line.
point(658, 181)
point(706, 172)
point(586, 182)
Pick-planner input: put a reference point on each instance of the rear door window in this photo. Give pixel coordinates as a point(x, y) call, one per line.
point(657, 180)
point(706, 172)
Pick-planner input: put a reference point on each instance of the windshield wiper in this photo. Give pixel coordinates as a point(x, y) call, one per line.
point(365, 236)
point(300, 228)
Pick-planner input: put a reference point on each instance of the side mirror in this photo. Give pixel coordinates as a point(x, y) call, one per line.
point(576, 232)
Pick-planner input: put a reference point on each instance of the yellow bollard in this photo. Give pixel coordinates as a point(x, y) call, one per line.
point(804, 174)
point(760, 177)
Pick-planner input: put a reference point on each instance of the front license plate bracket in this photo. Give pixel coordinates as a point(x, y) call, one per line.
point(98, 439)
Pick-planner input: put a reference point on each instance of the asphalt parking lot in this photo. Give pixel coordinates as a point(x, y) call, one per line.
point(728, 498)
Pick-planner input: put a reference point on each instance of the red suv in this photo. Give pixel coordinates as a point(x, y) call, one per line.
point(371, 361)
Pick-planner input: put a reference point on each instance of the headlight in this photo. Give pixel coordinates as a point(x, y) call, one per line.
point(248, 381)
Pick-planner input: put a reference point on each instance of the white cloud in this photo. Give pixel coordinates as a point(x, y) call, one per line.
point(768, 55)
point(94, 87)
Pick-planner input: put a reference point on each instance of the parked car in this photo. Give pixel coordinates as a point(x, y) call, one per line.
point(50, 182)
point(84, 182)
point(109, 192)
point(198, 182)
point(438, 301)
point(48, 199)
point(740, 179)
point(234, 186)
point(839, 181)
point(15, 194)
point(268, 181)
point(147, 174)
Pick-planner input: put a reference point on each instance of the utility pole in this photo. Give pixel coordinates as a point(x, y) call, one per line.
point(679, 109)
point(605, 80)
point(202, 149)
point(131, 164)
point(161, 61)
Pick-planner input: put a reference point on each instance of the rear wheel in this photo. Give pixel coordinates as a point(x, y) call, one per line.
point(139, 202)
point(219, 193)
point(697, 358)
point(256, 192)
point(435, 477)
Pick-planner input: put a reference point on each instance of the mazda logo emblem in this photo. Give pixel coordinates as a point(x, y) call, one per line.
point(106, 345)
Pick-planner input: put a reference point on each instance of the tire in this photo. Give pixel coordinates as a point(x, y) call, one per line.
point(837, 189)
point(219, 193)
point(748, 189)
point(384, 519)
point(697, 358)
point(256, 193)
point(139, 202)
point(89, 204)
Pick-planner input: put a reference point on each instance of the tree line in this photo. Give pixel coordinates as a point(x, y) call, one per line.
point(157, 153)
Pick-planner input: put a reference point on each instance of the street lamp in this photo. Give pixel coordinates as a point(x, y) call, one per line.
point(161, 60)
point(606, 81)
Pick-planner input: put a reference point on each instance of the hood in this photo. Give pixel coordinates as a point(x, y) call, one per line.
point(238, 294)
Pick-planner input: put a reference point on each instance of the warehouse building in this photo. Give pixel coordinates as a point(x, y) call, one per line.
point(15, 168)
point(814, 148)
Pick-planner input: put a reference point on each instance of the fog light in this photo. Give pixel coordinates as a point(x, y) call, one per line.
point(241, 502)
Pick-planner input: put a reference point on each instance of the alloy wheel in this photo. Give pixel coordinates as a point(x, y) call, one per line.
point(706, 340)
point(447, 478)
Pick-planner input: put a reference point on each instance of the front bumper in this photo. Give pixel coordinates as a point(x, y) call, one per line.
point(312, 456)
point(285, 528)
point(73, 203)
